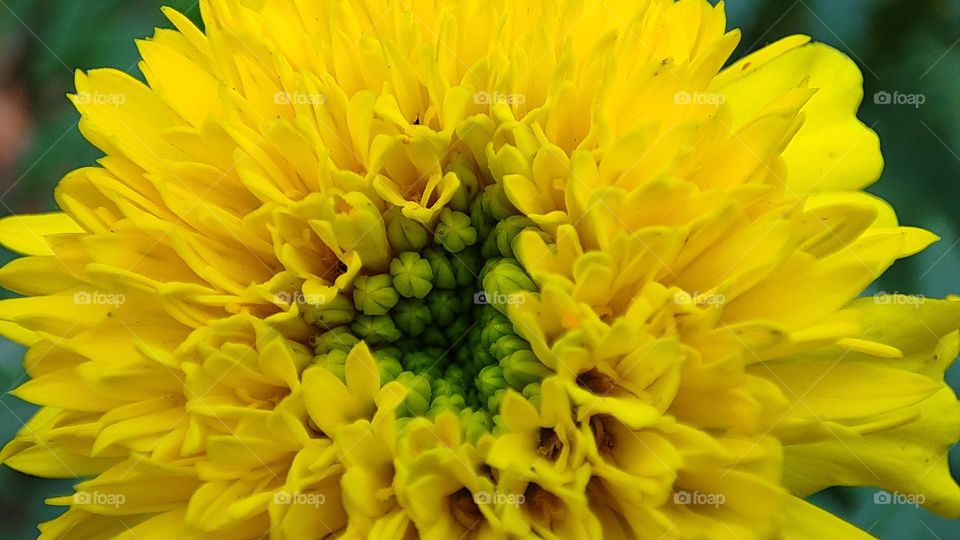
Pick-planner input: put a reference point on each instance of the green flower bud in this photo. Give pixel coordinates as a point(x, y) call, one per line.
point(458, 375)
point(498, 428)
point(418, 397)
point(507, 230)
point(337, 311)
point(334, 362)
point(406, 234)
point(433, 373)
point(340, 338)
point(444, 307)
point(480, 220)
point(506, 345)
point(434, 337)
point(489, 380)
point(442, 268)
point(453, 403)
point(490, 263)
point(494, 330)
point(412, 275)
point(489, 249)
point(374, 295)
point(532, 393)
point(472, 396)
point(454, 232)
point(469, 183)
point(463, 356)
point(522, 368)
point(376, 329)
point(496, 204)
point(402, 422)
point(475, 424)
point(443, 386)
point(412, 317)
point(455, 331)
point(493, 402)
point(504, 282)
point(490, 316)
point(390, 368)
point(388, 352)
point(481, 359)
point(420, 361)
point(466, 267)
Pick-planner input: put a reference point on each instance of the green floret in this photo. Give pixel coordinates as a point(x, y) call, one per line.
point(405, 234)
point(376, 329)
point(455, 232)
point(417, 402)
point(442, 267)
point(522, 368)
point(489, 380)
point(412, 317)
point(374, 295)
point(412, 276)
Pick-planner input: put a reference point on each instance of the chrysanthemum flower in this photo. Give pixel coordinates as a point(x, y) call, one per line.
point(456, 269)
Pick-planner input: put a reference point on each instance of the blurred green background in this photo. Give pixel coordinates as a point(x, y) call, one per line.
point(910, 47)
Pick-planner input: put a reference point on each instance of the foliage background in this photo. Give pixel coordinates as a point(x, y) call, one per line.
point(911, 47)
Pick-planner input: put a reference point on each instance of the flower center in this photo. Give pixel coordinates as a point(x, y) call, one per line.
point(437, 322)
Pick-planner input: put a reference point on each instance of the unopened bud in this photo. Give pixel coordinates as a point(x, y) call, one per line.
point(495, 203)
point(374, 295)
point(406, 234)
point(375, 329)
point(522, 368)
point(412, 317)
point(469, 183)
point(489, 380)
point(334, 362)
point(389, 366)
point(442, 386)
point(507, 230)
point(532, 393)
point(418, 396)
point(506, 280)
point(474, 424)
point(452, 402)
point(455, 232)
point(412, 275)
point(493, 402)
point(335, 312)
point(508, 344)
point(444, 307)
point(466, 267)
point(340, 338)
point(442, 268)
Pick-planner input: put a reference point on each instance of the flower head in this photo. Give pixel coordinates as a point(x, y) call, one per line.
point(538, 268)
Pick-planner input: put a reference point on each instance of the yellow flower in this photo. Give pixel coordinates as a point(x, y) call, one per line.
point(475, 269)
